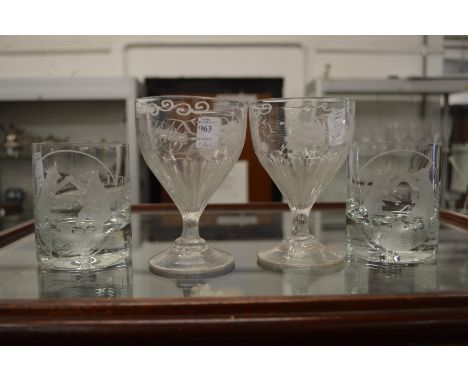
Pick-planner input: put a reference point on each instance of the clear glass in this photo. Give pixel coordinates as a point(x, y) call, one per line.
point(81, 205)
point(241, 232)
point(301, 143)
point(190, 144)
point(392, 209)
point(113, 282)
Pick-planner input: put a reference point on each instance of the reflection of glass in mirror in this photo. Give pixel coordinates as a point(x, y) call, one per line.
point(190, 287)
point(108, 283)
point(362, 278)
point(313, 282)
point(297, 283)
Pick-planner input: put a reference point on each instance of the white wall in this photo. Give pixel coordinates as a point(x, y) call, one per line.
point(81, 56)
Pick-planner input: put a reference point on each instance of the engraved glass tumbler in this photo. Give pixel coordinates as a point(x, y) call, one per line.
point(190, 143)
point(81, 205)
point(301, 143)
point(392, 208)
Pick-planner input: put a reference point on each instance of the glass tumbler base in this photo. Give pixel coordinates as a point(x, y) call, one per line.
point(305, 255)
point(179, 262)
point(90, 264)
point(402, 258)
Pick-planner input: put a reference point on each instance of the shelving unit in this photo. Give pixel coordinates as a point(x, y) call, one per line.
point(409, 86)
point(83, 89)
point(436, 86)
point(424, 87)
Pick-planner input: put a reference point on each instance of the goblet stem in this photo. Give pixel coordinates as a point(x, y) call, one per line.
point(190, 237)
point(300, 230)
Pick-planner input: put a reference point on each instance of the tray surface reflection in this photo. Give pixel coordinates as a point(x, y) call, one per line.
point(241, 233)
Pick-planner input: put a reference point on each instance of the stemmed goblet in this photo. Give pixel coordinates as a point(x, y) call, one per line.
point(190, 144)
point(301, 143)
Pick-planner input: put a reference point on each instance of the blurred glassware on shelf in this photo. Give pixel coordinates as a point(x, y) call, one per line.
point(14, 196)
point(399, 131)
point(13, 141)
point(50, 139)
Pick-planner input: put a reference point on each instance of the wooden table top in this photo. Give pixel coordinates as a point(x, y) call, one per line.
point(354, 304)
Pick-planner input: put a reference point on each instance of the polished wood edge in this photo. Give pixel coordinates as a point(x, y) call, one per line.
point(9, 235)
point(454, 218)
point(258, 206)
point(258, 305)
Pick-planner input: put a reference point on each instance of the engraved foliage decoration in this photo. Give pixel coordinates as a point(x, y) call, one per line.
point(294, 127)
point(171, 134)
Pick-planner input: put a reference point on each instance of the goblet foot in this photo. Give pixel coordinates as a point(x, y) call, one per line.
point(179, 261)
point(306, 254)
point(88, 264)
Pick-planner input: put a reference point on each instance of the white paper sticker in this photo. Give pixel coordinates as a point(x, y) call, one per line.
point(336, 129)
point(208, 132)
point(39, 169)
